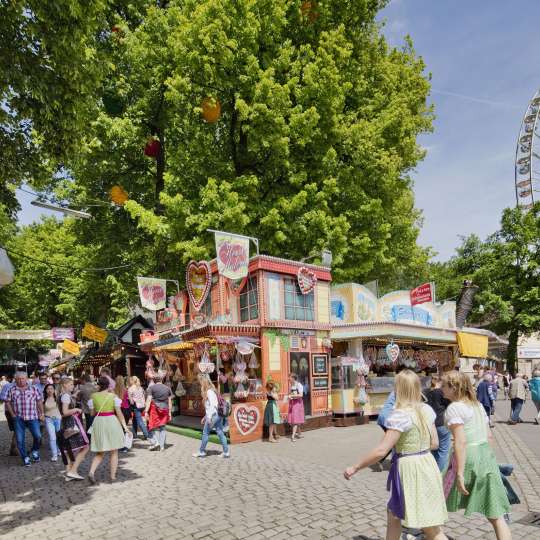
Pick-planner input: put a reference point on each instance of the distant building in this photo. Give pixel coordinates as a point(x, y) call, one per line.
point(528, 354)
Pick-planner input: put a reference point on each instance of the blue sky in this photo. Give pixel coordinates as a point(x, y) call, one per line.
point(484, 59)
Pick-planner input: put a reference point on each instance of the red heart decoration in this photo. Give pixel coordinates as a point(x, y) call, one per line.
point(246, 418)
point(155, 293)
point(232, 256)
point(306, 280)
point(199, 281)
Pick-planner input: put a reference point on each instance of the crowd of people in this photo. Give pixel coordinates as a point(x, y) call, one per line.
point(84, 415)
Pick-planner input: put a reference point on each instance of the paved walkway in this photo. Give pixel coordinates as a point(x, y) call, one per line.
point(265, 490)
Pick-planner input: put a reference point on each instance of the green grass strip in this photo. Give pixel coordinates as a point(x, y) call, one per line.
point(189, 432)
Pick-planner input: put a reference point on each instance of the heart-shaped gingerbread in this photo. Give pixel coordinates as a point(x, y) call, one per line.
point(199, 281)
point(306, 280)
point(246, 418)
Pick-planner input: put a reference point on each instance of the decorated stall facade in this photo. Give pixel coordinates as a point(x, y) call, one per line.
point(373, 337)
point(246, 331)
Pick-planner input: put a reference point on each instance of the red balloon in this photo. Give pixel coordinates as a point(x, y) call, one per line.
point(152, 148)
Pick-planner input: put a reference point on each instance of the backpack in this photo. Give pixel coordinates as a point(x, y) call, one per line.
point(224, 407)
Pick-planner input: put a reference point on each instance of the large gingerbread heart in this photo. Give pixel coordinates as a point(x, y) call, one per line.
point(246, 418)
point(306, 280)
point(199, 281)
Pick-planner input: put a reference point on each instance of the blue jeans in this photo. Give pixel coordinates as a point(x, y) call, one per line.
point(34, 428)
point(516, 404)
point(442, 453)
point(158, 436)
point(138, 421)
point(53, 426)
point(217, 424)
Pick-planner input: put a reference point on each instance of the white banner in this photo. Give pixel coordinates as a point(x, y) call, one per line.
point(7, 272)
point(152, 292)
point(232, 253)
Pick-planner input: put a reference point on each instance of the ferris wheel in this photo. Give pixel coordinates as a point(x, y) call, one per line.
point(527, 166)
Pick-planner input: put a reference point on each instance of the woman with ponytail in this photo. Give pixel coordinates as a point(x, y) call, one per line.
point(415, 482)
point(473, 481)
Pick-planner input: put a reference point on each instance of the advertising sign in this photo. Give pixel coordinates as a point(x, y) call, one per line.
point(152, 292)
point(94, 333)
point(70, 347)
point(422, 294)
point(59, 334)
point(232, 253)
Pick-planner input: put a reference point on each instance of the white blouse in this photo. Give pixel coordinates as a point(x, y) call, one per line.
point(460, 412)
point(402, 419)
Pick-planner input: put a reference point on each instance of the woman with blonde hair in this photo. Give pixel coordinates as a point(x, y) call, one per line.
point(211, 419)
point(122, 394)
point(417, 497)
point(137, 401)
point(473, 480)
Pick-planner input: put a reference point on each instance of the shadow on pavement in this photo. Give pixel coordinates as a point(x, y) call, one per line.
point(30, 494)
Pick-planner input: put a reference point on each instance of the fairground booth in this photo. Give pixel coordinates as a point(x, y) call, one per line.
point(244, 332)
point(374, 337)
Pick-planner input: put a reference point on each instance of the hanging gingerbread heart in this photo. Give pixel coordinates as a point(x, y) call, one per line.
point(199, 281)
point(306, 280)
point(392, 352)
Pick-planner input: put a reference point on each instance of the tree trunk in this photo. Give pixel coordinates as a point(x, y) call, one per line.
point(160, 170)
point(511, 363)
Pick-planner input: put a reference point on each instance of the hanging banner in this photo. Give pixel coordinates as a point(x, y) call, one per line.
point(232, 252)
point(70, 347)
point(199, 282)
point(94, 333)
point(7, 272)
point(422, 294)
point(59, 334)
point(152, 292)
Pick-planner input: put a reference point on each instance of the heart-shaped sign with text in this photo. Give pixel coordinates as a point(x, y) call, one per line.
point(306, 280)
point(199, 281)
point(246, 418)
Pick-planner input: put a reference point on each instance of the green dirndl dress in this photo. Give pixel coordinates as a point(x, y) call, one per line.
point(487, 494)
point(271, 412)
point(421, 481)
point(107, 432)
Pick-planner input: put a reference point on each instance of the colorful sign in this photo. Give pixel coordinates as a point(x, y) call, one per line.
point(422, 294)
point(59, 334)
point(70, 347)
point(198, 281)
point(528, 352)
point(232, 255)
point(152, 292)
point(306, 280)
point(94, 333)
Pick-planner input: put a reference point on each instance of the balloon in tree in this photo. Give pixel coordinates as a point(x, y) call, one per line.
point(118, 195)
point(211, 109)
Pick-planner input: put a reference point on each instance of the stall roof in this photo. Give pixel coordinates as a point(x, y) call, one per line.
point(393, 330)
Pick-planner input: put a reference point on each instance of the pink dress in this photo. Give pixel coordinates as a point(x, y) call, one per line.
point(296, 405)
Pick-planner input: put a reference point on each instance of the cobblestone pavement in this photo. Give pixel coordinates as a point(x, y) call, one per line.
point(265, 490)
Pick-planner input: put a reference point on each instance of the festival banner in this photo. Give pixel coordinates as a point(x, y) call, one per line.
point(94, 333)
point(70, 346)
point(232, 253)
point(422, 294)
point(59, 334)
point(153, 292)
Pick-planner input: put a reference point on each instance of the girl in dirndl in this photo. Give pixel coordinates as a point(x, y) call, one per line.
point(295, 417)
point(473, 481)
point(415, 483)
point(271, 413)
point(73, 442)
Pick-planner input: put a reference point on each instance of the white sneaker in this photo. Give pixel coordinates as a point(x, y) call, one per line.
point(54, 458)
point(226, 455)
point(199, 454)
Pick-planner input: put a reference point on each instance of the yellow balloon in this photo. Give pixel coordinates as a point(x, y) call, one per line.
point(118, 195)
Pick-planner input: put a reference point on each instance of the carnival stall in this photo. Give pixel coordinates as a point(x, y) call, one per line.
point(375, 337)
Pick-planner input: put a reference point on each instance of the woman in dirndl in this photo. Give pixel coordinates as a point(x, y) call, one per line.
point(473, 481)
point(417, 498)
point(108, 428)
point(295, 416)
point(72, 440)
point(272, 418)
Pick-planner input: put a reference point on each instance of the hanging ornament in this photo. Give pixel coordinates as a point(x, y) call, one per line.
point(306, 280)
point(211, 109)
point(152, 147)
point(241, 392)
point(253, 362)
point(199, 282)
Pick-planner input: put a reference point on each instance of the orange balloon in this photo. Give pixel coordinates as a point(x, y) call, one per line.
point(211, 109)
point(118, 195)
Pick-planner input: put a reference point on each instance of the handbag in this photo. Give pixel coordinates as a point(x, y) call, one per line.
point(70, 431)
point(128, 439)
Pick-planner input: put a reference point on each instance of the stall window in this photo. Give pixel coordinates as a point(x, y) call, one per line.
point(249, 305)
point(298, 306)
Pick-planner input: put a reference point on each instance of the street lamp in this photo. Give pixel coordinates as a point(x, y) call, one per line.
point(67, 211)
